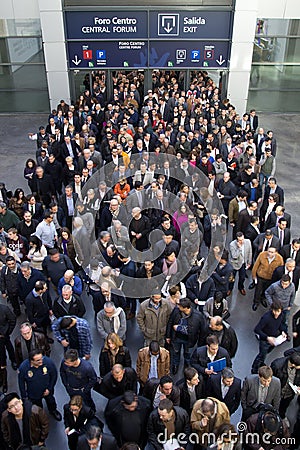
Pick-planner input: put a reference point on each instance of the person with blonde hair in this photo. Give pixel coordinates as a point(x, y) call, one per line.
point(113, 352)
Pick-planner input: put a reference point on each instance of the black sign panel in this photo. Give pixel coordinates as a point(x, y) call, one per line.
point(135, 54)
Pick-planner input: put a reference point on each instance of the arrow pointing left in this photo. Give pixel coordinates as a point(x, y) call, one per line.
point(76, 61)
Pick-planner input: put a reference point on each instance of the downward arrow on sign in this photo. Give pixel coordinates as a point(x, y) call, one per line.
point(76, 61)
point(220, 61)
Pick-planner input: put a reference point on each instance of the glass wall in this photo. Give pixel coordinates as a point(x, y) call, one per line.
point(275, 73)
point(23, 83)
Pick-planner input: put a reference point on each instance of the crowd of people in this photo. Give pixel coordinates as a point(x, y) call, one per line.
point(152, 204)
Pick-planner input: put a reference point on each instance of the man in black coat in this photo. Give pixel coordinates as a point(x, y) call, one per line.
point(39, 307)
point(127, 417)
point(27, 226)
point(68, 304)
point(94, 438)
point(7, 325)
point(287, 369)
point(282, 232)
point(222, 274)
point(55, 170)
point(291, 251)
point(272, 184)
point(156, 388)
point(27, 277)
point(208, 353)
point(198, 291)
point(43, 185)
point(116, 382)
point(183, 328)
point(276, 215)
point(244, 217)
point(67, 202)
point(289, 268)
point(9, 283)
point(225, 334)
point(157, 424)
point(225, 387)
point(191, 388)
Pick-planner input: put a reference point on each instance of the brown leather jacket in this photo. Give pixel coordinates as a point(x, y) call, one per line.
point(143, 364)
point(38, 422)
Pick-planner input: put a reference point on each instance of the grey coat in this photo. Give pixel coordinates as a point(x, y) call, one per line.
point(236, 256)
point(249, 397)
point(105, 325)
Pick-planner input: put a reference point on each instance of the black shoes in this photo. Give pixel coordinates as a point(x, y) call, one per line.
point(50, 340)
point(56, 414)
point(254, 307)
point(14, 365)
point(264, 303)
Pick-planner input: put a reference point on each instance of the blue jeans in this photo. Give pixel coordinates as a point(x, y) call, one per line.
point(264, 349)
point(176, 350)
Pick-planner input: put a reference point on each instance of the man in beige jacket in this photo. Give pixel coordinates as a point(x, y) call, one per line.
point(152, 362)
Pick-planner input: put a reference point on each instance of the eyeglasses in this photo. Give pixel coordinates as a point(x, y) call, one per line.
point(14, 405)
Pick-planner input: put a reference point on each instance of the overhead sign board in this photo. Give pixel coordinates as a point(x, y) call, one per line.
point(123, 39)
point(106, 25)
point(190, 25)
point(132, 54)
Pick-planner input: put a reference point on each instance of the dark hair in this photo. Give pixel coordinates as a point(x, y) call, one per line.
point(285, 278)
point(225, 255)
point(17, 192)
point(47, 214)
point(295, 358)
point(53, 251)
point(35, 240)
point(165, 379)
point(9, 397)
point(166, 403)
point(218, 296)
point(33, 353)
point(33, 164)
point(71, 354)
point(189, 373)
point(10, 258)
point(154, 346)
point(185, 303)
point(276, 305)
point(65, 323)
point(39, 285)
point(65, 230)
point(212, 339)
point(265, 372)
point(129, 397)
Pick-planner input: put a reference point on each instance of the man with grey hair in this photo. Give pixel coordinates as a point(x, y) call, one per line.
point(225, 387)
point(119, 234)
point(68, 303)
point(111, 320)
